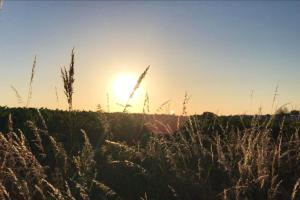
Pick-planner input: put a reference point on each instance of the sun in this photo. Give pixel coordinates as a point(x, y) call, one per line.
point(123, 86)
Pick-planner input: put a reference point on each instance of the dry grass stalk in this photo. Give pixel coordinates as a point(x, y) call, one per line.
point(276, 94)
point(56, 94)
point(42, 119)
point(3, 193)
point(146, 104)
point(185, 103)
point(296, 190)
point(122, 105)
point(10, 123)
point(19, 98)
point(31, 82)
point(105, 123)
point(39, 191)
point(163, 105)
point(184, 107)
point(137, 85)
point(68, 80)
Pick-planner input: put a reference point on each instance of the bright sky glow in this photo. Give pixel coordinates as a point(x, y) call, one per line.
point(123, 86)
point(216, 51)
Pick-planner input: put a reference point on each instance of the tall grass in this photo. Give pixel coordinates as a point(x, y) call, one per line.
point(68, 80)
point(17, 94)
point(137, 85)
point(146, 107)
point(207, 158)
point(160, 108)
point(56, 95)
point(29, 96)
point(31, 82)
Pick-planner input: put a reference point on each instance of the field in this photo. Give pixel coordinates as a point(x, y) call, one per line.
point(53, 154)
point(217, 51)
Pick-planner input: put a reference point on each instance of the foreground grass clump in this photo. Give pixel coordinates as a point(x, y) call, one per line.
point(211, 157)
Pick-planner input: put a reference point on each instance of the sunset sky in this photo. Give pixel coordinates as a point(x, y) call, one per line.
point(218, 52)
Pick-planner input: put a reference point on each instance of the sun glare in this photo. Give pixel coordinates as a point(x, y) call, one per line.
point(123, 86)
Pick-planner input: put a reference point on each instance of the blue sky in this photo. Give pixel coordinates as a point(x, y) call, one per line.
point(216, 51)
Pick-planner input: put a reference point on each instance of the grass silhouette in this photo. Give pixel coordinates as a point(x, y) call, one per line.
point(53, 154)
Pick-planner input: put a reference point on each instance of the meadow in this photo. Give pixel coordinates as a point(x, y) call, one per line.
point(55, 154)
